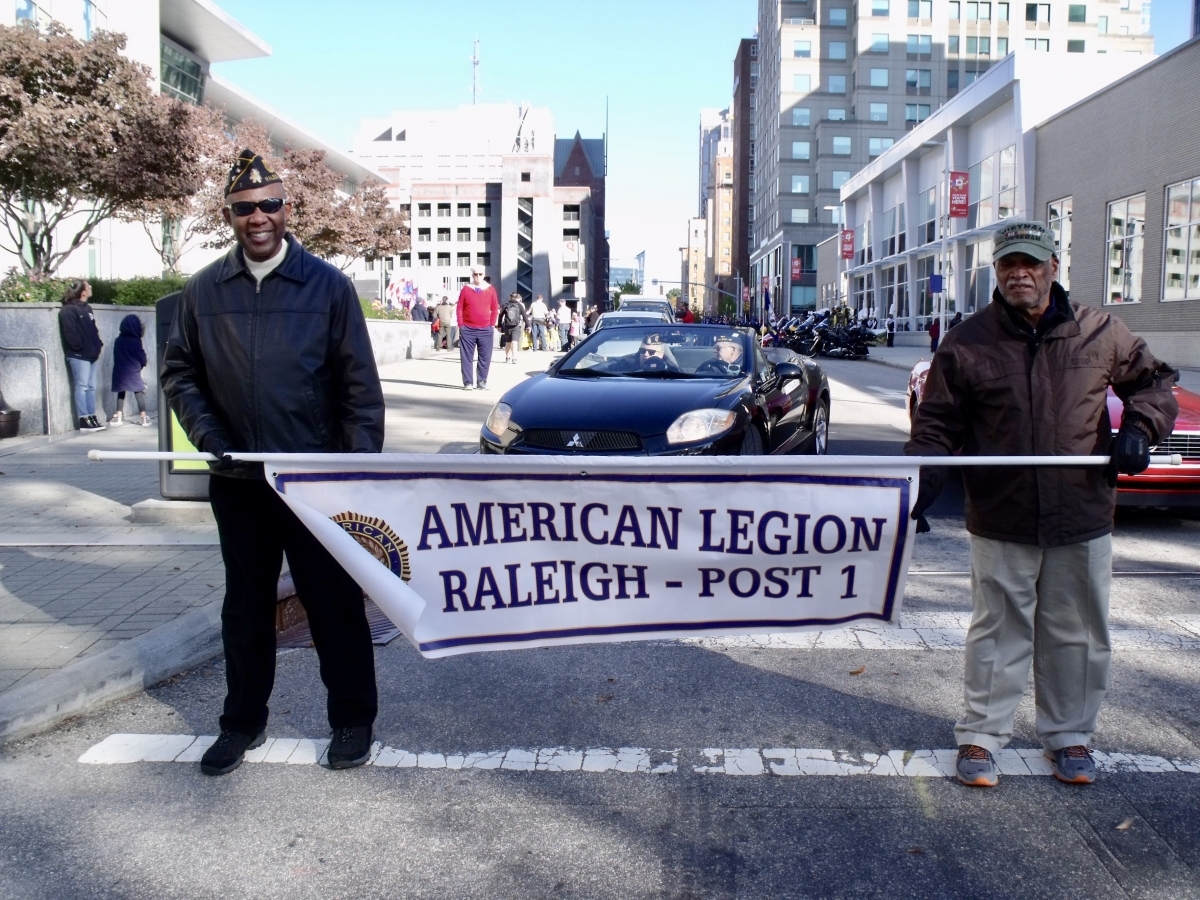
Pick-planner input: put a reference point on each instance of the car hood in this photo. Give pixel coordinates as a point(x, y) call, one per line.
point(1188, 419)
point(644, 406)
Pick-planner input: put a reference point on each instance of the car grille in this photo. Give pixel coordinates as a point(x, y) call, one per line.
point(581, 441)
point(1183, 444)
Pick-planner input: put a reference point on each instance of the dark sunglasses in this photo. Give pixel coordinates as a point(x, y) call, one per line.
point(243, 208)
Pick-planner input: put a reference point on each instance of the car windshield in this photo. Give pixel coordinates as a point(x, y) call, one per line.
point(608, 320)
point(661, 351)
point(644, 306)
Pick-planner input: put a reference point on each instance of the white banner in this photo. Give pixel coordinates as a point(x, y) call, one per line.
point(490, 553)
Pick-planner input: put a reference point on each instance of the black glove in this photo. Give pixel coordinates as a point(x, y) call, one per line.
point(215, 444)
point(1129, 453)
point(932, 479)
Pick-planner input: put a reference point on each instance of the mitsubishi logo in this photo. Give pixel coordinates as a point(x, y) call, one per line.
point(575, 441)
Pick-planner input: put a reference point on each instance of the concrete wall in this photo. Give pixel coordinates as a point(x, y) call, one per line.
point(36, 325)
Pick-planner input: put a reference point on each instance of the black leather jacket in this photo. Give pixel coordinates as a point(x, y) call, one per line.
point(284, 365)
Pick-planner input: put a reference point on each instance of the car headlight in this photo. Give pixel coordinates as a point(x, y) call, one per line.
point(498, 419)
point(700, 424)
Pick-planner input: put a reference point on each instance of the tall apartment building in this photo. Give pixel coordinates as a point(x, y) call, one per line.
point(491, 185)
point(745, 84)
point(694, 263)
point(840, 82)
point(714, 127)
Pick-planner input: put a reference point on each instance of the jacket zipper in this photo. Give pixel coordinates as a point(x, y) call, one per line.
point(254, 364)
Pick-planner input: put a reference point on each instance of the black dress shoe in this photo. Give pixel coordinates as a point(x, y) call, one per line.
point(227, 751)
point(350, 747)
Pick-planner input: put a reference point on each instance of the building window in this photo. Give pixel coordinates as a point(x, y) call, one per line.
point(1076, 46)
point(880, 7)
point(1077, 12)
point(802, 49)
point(1058, 217)
point(424, 210)
point(1039, 45)
point(182, 76)
point(1102, 24)
point(835, 115)
point(370, 265)
point(801, 150)
point(837, 49)
point(879, 112)
point(840, 177)
point(422, 259)
point(915, 112)
point(979, 194)
point(801, 116)
point(463, 235)
point(526, 176)
point(443, 210)
point(570, 234)
point(483, 259)
point(876, 145)
point(841, 146)
point(1126, 227)
point(920, 9)
point(1037, 12)
point(837, 15)
point(979, 277)
point(979, 12)
point(1002, 46)
point(917, 81)
point(1007, 206)
point(443, 235)
point(1181, 243)
point(404, 261)
point(1002, 12)
point(463, 260)
point(424, 234)
point(879, 78)
point(483, 210)
point(879, 43)
point(483, 234)
point(464, 210)
point(951, 81)
point(837, 84)
point(571, 212)
point(919, 45)
point(800, 183)
point(800, 215)
point(955, 11)
point(927, 216)
point(443, 260)
point(802, 83)
point(952, 45)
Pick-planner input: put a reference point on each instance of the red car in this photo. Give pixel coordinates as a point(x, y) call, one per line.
point(1176, 486)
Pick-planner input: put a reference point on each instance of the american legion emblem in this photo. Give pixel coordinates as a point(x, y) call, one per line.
point(378, 539)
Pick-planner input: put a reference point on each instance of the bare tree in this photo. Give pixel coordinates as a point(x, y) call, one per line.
point(83, 138)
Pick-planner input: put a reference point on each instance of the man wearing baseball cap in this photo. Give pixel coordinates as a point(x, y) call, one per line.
point(1028, 376)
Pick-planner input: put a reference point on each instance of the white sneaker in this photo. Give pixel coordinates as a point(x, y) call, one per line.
point(468, 387)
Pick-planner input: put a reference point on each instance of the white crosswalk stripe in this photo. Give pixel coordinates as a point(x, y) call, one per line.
point(123, 749)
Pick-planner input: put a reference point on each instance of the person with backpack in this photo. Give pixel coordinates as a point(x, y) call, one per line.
point(512, 319)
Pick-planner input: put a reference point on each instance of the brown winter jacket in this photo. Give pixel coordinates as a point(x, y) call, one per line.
point(995, 389)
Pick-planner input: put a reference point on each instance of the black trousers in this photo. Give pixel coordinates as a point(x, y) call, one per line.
point(256, 528)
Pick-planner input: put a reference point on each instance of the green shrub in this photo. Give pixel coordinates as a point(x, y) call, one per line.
point(16, 287)
point(373, 310)
point(146, 291)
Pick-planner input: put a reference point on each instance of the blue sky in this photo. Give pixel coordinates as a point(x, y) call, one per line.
point(657, 61)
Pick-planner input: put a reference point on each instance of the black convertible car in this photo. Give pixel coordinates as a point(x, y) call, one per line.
point(666, 389)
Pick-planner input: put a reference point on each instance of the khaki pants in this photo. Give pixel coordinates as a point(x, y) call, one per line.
point(1045, 606)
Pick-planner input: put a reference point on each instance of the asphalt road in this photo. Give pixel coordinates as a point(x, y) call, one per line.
point(162, 830)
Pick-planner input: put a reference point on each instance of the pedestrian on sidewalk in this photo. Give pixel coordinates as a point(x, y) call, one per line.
point(538, 314)
point(511, 319)
point(478, 312)
point(935, 332)
point(890, 325)
point(129, 358)
point(573, 332)
point(593, 316)
point(81, 346)
point(239, 373)
point(562, 316)
point(957, 320)
point(419, 312)
point(446, 327)
point(1009, 382)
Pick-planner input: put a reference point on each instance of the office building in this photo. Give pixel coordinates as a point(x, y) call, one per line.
point(840, 83)
point(898, 205)
point(695, 264)
point(714, 128)
point(492, 185)
point(178, 41)
point(745, 85)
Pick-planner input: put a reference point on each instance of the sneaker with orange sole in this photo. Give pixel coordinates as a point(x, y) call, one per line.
point(976, 767)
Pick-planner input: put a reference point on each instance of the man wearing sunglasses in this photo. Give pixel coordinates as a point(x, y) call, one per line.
point(269, 352)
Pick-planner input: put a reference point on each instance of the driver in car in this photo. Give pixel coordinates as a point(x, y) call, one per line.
point(727, 357)
point(651, 356)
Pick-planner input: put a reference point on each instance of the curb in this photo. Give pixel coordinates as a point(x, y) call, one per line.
point(119, 672)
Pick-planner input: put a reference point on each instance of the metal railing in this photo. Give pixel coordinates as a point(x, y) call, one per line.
point(45, 377)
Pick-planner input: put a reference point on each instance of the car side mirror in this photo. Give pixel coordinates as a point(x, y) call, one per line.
point(785, 371)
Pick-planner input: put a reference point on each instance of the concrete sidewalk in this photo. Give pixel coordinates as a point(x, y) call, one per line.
point(92, 603)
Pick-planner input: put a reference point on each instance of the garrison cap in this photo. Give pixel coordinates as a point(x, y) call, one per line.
point(249, 171)
point(1031, 238)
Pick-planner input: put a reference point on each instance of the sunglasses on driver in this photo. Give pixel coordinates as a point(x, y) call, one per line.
point(243, 208)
